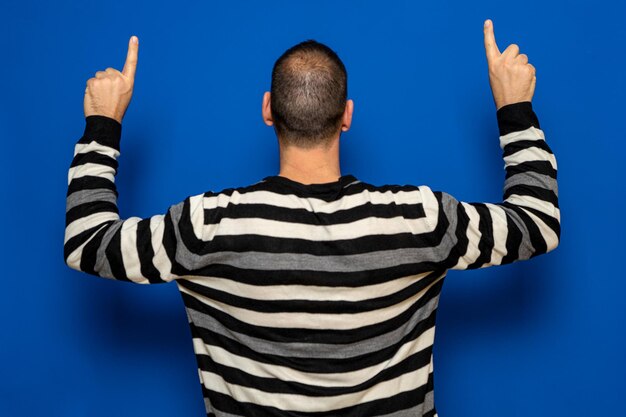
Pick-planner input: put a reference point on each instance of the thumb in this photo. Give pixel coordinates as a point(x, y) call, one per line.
point(130, 66)
point(491, 48)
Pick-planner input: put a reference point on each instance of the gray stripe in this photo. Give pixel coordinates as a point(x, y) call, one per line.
point(330, 263)
point(183, 256)
point(526, 248)
point(218, 413)
point(532, 178)
point(450, 208)
point(88, 196)
point(289, 261)
point(418, 410)
point(315, 350)
point(102, 263)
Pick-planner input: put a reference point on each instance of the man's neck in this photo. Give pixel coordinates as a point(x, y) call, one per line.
point(310, 166)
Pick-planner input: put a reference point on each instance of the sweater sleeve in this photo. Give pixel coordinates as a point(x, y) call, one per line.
point(97, 241)
point(525, 224)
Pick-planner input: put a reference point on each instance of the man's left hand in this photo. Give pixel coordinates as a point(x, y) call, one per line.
point(109, 92)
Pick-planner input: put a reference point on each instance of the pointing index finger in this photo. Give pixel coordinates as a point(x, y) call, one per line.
point(130, 66)
point(491, 48)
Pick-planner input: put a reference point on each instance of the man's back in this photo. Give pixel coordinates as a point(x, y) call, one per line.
point(313, 298)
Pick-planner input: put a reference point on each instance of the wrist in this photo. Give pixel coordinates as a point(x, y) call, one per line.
point(117, 117)
point(514, 117)
point(103, 129)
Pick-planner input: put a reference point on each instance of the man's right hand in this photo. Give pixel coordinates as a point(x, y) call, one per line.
point(511, 77)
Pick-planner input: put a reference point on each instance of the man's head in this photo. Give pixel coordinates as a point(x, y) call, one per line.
point(308, 103)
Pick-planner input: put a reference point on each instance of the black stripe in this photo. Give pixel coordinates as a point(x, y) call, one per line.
point(113, 253)
point(294, 305)
point(533, 191)
point(486, 243)
point(512, 147)
point(185, 227)
point(291, 334)
point(324, 278)
point(74, 242)
point(550, 221)
point(89, 208)
point(89, 255)
point(314, 364)
point(90, 182)
point(540, 167)
point(146, 252)
point(338, 247)
point(513, 240)
point(348, 190)
point(94, 157)
point(274, 385)
point(534, 234)
point(398, 402)
point(304, 216)
point(360, 187)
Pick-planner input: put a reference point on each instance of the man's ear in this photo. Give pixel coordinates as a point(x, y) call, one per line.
point(267, 109)
point(347, 116)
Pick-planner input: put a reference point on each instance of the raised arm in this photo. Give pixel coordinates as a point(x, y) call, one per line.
point(97, 241)
point(527, 222)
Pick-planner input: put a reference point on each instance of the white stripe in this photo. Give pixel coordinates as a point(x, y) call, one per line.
point(90, 168)
point(532, 133)
point(500, 233)
point(312, 204)
point(431, 206)
point(284, 373)
point(74, 258)
point(529, 154)
point(473, 235)
point(197, 215)
point(344, 321)
point(94, 146)
point(275, 228)
point(534, 202)
point(302, 403)
point(305, 292)
point(83, 223)
point(548, 234)
point(128, 247)
point(160, 259)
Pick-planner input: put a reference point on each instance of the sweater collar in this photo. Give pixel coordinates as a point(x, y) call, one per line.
point(319, 188)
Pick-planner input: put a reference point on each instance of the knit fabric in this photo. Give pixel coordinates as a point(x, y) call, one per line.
point(319, 299)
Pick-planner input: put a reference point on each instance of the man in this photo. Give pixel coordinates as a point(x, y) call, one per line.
point(311, 292)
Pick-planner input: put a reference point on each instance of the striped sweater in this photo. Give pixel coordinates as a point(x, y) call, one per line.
point(318, 299)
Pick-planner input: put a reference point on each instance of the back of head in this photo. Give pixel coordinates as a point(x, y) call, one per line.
point(308, 94)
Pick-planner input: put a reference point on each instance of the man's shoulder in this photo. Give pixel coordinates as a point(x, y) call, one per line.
point(266, 188)
point(389, 187)
point(241, 189)
point(354, 186)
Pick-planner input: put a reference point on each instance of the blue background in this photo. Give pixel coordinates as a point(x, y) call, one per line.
point(543, 338)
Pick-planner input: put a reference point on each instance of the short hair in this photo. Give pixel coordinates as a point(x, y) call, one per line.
point(308, 94)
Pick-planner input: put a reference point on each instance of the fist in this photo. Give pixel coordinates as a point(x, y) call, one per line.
point(511, 77)
point(109, 92)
